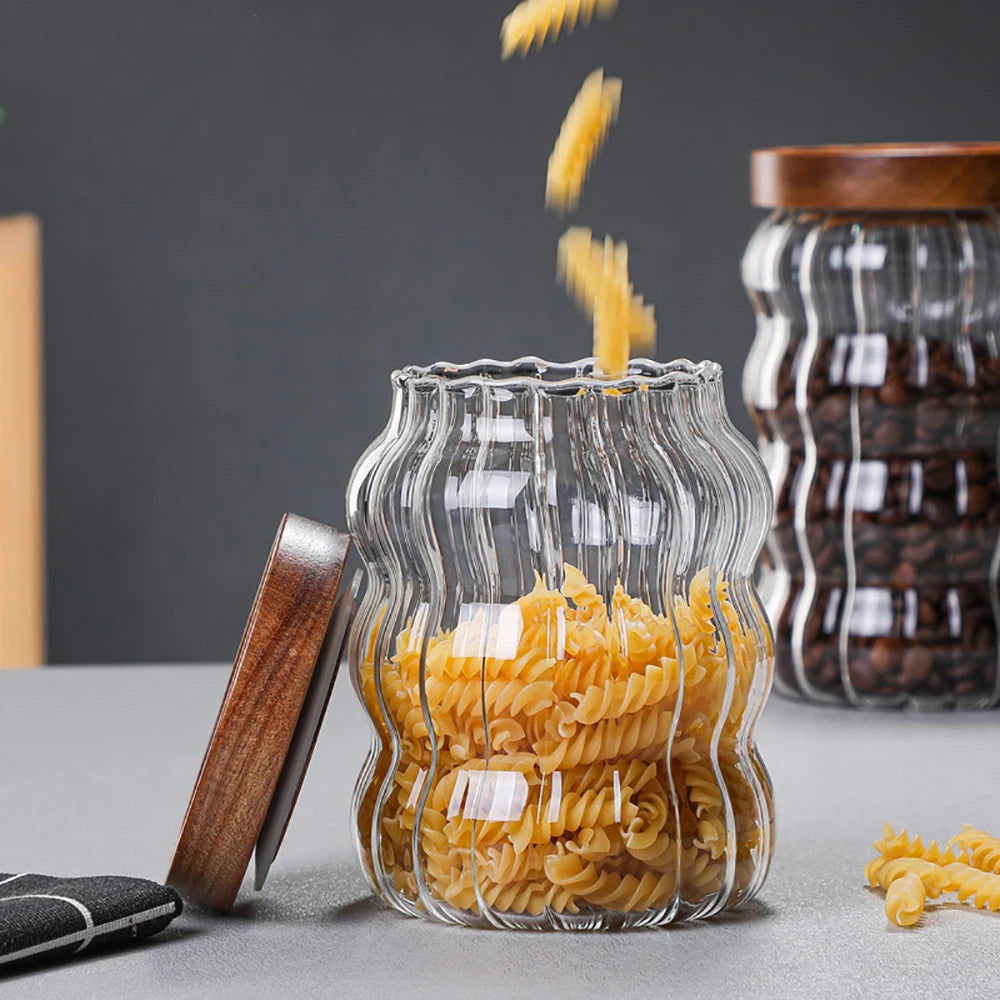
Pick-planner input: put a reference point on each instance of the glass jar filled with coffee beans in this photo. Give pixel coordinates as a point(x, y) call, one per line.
point(874, 383)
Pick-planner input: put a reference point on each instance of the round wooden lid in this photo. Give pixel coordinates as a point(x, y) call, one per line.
point(895, 176)
point(269, 718)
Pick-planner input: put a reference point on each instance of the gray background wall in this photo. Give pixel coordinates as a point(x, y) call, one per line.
point(254, 211)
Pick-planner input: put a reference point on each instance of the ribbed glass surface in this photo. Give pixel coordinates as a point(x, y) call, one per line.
point(561, 648)
point(874, 382)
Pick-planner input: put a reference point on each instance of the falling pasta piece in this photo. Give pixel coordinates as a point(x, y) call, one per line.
point(642, 324)
point(583, 132)
point(534, 21)
point(581, 270)
point(611, 311)
point(595, 274)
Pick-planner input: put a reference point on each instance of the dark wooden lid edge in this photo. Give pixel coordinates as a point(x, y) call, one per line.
point(889, 177)
point(259, 712)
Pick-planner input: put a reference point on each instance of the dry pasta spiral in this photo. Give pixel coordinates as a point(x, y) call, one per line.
point(911, 872)
point(904, 900)
point(984, 850)
point(595, 273)
point(583, 132)
point(884, 871)
point(983, 888)
point(534, 21)
point(901, 845)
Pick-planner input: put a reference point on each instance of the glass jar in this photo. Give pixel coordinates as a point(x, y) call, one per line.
point(874, 384)
point(561, 648)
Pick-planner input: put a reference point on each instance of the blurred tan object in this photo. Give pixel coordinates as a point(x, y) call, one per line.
point(22, 553)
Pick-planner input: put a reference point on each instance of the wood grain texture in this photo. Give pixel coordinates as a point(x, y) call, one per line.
point(904, 176)
point(259, 712)
point(22, 555)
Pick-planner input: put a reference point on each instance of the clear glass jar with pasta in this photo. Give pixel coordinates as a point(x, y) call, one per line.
point(560, 647)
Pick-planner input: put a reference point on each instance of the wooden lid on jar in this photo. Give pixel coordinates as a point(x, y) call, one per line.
point(270, 716)
point(895, 176)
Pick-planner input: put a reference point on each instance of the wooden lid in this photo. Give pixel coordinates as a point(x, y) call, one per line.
point(270, 715)
point(895, 176)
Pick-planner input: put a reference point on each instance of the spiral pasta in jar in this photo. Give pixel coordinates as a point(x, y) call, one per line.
point(560, 647)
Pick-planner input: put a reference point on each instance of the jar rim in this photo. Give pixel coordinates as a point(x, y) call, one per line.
point(537, 374)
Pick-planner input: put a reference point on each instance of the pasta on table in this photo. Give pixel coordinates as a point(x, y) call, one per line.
point(904, 900)
point(911, 873)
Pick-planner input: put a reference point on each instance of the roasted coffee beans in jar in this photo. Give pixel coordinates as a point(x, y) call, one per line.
point(874, 384)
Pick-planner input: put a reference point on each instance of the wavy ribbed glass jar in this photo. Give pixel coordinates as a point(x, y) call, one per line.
point(874, 382)
point(561, 648)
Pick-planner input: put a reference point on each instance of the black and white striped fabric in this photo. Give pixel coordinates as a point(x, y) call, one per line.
point(42, 917)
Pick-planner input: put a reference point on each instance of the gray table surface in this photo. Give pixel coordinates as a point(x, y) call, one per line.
point(96, 765)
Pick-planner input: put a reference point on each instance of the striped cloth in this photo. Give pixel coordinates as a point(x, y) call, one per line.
point(42, 917)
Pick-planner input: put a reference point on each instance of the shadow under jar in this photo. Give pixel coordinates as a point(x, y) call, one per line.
point(561, 648)
point(874, 384)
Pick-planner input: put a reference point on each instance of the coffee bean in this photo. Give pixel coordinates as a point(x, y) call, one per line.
point(878, 558)
point(884, 656)
point(938, 474)
point(815, 503)
point(919, 553)
point(864, 677)
point(888, 516)
point(984, 638)
point(932, 417)
point(918, 662)
point(976, 471)
point(977, 501)
point(811, 632)
point(827, 676)
point(888, 434)
point(893, 391)
point(904, 576)
point(831, 410)
point(938, 512)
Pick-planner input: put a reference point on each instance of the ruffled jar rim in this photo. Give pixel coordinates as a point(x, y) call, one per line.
point(536, 374)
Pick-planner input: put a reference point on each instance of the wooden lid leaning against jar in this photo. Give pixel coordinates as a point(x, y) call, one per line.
point(894, 176)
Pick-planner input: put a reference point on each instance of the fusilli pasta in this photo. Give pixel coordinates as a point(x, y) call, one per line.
point(984, 850)
point(544, 773)
point(587, 123)
point(884, 871)
point(968, 867)
point(901, 845)
point(904, 900)
point(582, 266)
point(534, 21)
point(983, 888)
